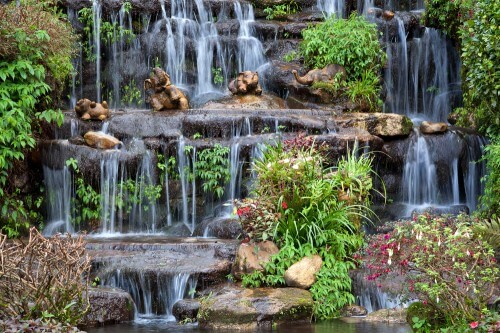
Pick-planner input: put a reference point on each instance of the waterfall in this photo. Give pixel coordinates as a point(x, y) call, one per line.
point(143, 199)
point(58, 192)
point(476, 169)
point(96, 40)
point(109, 191)
point(423, 75)
point(250, 53)
point(184, 174)
point(419, 175)
point(154, 293)
point(332, 7)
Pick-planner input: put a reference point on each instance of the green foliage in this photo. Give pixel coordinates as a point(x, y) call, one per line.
point(366, 91)
point(109, 32)
point(490, 201)
point(86, 205)
point(480, 39)
point(280, 11)
point(313, 209)
point(447, 15)
point(489, 230)
point(137, 193)
point(131, 94)
point(351, 43)
point(290, 56)
point(35, 59)
point(212, 168)
point(217, 75)
point(441, 262)
point(167, 167)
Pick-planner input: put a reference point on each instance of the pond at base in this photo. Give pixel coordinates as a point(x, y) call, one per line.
point(335, 326)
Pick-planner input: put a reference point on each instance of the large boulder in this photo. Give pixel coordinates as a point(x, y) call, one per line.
point(302, 274)
point(252, 256)
point(100, 140)
point(353, 311)
point(236, 308)
point(380, 124)
point(108, 306)
point(225, 228)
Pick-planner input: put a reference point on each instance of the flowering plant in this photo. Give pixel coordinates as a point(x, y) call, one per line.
point(258, 218)
point(441, 261)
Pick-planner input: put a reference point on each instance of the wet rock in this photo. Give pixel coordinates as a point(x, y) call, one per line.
point(302, 274)
point(186, 309)
point(87, 109)
point(428, 127)
point(225, 228)
point(440, 210)
point(16, 325)
point(380, 124)
point(234, 308)
point(108, 306)
point(77, 140)
point(354, 311)
point(247, 102)
point(388, 15)
point(388, 316)
point(100, 140)
point(251, 256)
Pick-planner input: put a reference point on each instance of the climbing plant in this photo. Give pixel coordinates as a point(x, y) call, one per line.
point(35, 52)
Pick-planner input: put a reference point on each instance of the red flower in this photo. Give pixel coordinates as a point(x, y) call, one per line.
point(284, 205)
point(474, 324)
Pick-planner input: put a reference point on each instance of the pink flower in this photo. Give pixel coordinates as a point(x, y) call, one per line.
point(474, 324)
point(284, 205)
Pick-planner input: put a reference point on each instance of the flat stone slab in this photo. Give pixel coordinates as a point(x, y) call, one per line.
point(237, 308)
point(209, 259)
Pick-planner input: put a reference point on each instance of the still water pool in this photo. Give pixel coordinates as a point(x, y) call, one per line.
point(334, 326)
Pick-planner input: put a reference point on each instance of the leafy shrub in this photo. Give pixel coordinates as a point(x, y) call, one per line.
point(490, 200)
point(44, 278)
point(440, 262)
point(312, 209)
point(212, 168)
point(280, 11)
point(351, 43)
point(448, 15)
point(365, 91)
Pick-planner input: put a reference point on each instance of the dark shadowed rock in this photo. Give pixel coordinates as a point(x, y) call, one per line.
point(108, 306)
point(225, 228)
point(234, 308)
point(186, 309)
point(354, 311)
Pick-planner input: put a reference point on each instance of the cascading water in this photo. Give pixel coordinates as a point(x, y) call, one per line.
point(476, 170)
point(154, 294)
point(110, 189)
point(423, 75)
point(58, 187)
point(96, 42)
point(250, 51)
point(330, 7)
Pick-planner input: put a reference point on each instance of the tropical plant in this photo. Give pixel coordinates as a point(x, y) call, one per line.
point(448, 15)
point(313, 209)
point(441, 262)
point(35, 55)
point(351, 43)
point(131, 95)
point(212, 168)
point(280, 11)
point(365, 91)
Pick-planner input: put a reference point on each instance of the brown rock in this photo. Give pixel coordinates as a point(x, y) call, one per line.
point(302, 274)
point(251, 257)
point(428, 127)
point(100, 140)
point(388, 15)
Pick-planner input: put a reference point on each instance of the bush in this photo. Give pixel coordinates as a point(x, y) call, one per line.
point(44, 278)
point(35, 55)
point(447, 15)
point(441, 262)
point(351, 43)
point(309, 208)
